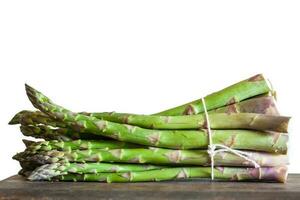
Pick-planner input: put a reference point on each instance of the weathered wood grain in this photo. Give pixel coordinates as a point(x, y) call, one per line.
point(16, 187)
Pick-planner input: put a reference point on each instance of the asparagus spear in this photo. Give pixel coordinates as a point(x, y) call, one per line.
point(223, 121)
point(77, 145)
point(187, 139)
point(46, 172)
point(263, 104)
point(273, 174)
point(157, 156)
point(217, 121)
point(55, 169)
point(44, 133)
point(238, 139)
point(248, 88)
point(241, 139)
point(26, 117)
point(48, 133)
point(17, 117)
point(260, 105)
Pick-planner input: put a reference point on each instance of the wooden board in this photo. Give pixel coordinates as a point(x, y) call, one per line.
point(16, 187)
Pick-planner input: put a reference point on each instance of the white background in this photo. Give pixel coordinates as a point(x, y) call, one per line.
point(143, 56)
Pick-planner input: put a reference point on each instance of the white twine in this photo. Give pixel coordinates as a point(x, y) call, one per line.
point(222, 148)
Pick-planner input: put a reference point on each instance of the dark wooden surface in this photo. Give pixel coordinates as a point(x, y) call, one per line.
point(16, 187)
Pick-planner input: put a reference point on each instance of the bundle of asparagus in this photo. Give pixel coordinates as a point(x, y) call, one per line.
point(122, 147)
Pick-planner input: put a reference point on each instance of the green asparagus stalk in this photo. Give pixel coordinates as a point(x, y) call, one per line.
point(268, 174)
point(35, 147)
point(55, 169)
point(77, 145)
point(185, 139)
point(260, 105)
point(39, 125)
point(48, 171)
point(248, 88)
point(48, 133)
point(156, 156)
point(217, 121)
point(38, 132)
point(26, 117)
point(17, 117)
point(265, 104)
point(238, 139)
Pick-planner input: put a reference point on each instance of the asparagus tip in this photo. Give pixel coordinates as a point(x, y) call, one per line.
point(34, 96)
point(13, 121)
point(44, 172)
point(27, 142)
point(18, 156)
point(17, 118)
